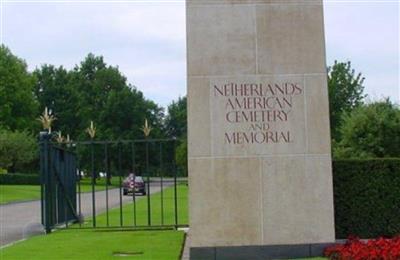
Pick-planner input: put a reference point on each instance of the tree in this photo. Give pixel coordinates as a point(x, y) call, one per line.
point(18, 107)
point(94, 80)
point(95, 91)
point(176, 127)
point(371, 130)
point(54, 91)
point(176, 120)
point(181, 156)
point(17, 150)
point(124, 114)
point(345, 94)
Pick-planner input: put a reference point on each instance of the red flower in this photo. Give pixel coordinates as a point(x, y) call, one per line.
point(374, 249)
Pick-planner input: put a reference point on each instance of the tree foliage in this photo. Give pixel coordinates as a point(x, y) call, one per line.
point(345, 94)
point(91, 91)
point(371, 130)
point(54, 90)
point(176, 120)
point(181, 156)
point(176, 127)
point(17, 150)
point(124, 114)
point(18, 106)
point(95, 91)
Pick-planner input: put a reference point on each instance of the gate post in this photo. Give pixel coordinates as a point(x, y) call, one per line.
point(45, 180)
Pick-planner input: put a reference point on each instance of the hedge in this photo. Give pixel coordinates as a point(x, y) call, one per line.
point(367, 197)
point(19, 179)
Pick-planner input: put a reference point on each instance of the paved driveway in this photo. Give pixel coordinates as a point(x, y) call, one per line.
point(18, 220)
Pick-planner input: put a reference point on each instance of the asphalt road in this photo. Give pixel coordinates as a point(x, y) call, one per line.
point(19, 220)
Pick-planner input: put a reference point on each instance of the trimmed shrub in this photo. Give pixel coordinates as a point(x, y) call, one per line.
point(367, 197)
point(19, 179)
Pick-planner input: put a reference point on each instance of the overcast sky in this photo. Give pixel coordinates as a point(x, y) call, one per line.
point(146, 39)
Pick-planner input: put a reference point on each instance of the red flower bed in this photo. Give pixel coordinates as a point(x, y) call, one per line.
point(374, 249)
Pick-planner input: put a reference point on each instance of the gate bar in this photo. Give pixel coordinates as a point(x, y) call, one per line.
point(65, 170)
point(108, 177)
point(93, 187)
point(148, 185)
point(120, 184)
point(175, 191)
point(133, 193)
point(79, 192)
point(161, 184)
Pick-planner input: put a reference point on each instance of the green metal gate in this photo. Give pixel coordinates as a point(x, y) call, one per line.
point(83, 184)
point(58, 182)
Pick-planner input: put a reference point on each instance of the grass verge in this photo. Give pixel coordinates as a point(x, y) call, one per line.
point(113, 243)
point(162, 212)
point(97, 244)
point(13, 193)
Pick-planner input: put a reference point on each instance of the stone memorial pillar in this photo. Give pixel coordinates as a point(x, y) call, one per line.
point(260, 175)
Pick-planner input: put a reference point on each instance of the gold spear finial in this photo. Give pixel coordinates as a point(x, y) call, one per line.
point(91, 130)
point(59, 138)
point(146, 128)
point(46, 119)
point(68, 141)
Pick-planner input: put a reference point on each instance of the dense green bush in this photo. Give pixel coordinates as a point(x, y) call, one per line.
point(371, 130)
point(19, 179)
point(367, 197)
point(18, 150)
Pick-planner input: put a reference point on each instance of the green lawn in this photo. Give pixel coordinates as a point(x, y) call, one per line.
point(168, 217)
point(13, 193)
point(95, 244)
point(107, 243)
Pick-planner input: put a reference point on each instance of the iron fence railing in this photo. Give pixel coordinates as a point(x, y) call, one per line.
point(85, 180)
